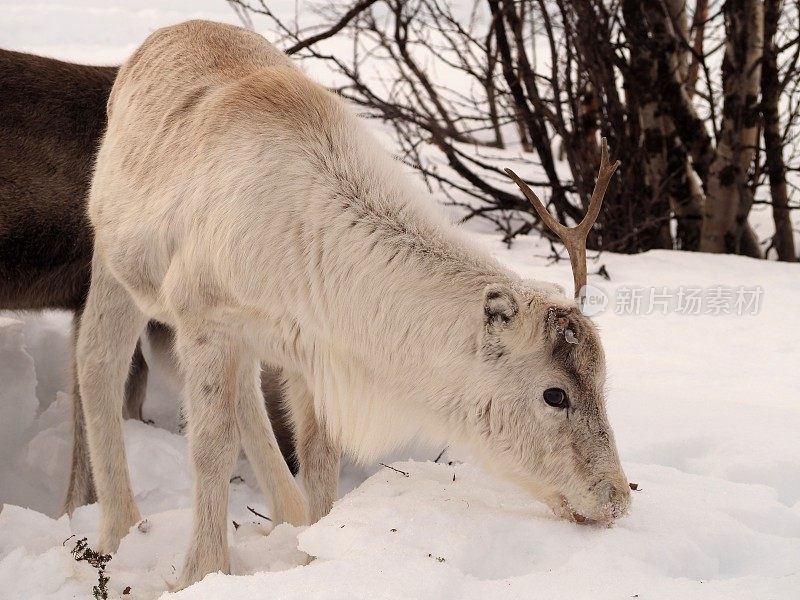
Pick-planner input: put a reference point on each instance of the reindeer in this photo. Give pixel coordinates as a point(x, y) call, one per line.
point(52, 116)
point(51, 120)
point(249, 208)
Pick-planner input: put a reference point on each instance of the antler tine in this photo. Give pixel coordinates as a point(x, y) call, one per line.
point(541, 210)
point(604, 175)
point(574, 238)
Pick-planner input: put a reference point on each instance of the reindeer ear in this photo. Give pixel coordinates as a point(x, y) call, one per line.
point(499, 304)
point(562, 325)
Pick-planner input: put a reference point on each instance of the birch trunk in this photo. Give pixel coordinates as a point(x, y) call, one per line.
point(643, 96)
point(728, 197)
point(699, 31)
point(682, 187)
point(773, 142)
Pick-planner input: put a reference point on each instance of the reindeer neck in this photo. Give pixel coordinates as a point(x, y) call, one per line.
point(416, 284)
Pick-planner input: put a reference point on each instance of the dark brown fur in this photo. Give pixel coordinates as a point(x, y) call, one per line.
point(52, 115)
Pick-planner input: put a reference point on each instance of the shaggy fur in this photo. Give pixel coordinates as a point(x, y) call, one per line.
point(52, 116)
point(242, 203)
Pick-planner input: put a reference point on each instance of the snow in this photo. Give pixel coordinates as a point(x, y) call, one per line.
point(427, 536)
point(17, 401)
point(705, 408)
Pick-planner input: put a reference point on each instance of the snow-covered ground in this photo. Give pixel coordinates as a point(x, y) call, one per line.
point(706, 410)
point(706, 413)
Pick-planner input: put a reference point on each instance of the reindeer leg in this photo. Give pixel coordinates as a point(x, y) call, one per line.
point(81, 484)
point(136, 385)
point(317, 454)
point(110, 327)
point(279, 414)
point(263, 451)
point(210, 361)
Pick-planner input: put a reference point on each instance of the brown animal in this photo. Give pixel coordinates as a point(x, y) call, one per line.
point(52, 115)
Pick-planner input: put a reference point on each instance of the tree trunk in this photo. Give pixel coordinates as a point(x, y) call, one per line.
point(699, 32)
point(773, 142)
point(641, 75)
point(586, 153)
point(728, 196)
point(681, 187)
point(631, 222)
point(656, 162)
point(680, 23)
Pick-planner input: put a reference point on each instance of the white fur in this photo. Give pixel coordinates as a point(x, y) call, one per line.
point(264, 222)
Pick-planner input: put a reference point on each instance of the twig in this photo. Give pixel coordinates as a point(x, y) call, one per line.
point(333, 30)
point(82, 552)
point(441, 454)
point(258, 514)
point(403, 473)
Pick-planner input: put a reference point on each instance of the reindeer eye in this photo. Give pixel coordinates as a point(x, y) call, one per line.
point(556, 397)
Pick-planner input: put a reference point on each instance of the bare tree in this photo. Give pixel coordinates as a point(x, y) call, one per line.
point(471, 88)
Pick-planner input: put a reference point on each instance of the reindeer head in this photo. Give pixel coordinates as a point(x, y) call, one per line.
point(542, 418)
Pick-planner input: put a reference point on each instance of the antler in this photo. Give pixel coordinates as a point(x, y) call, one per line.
point(574, 238)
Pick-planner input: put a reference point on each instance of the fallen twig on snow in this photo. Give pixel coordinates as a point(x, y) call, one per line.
point(403, 473)
point(258, 514)
point(83, 553)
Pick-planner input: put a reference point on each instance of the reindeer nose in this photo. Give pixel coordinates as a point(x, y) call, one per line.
point(616, 494)
point(605, 491)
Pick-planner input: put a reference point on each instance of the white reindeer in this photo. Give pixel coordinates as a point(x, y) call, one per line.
point(246, 206)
